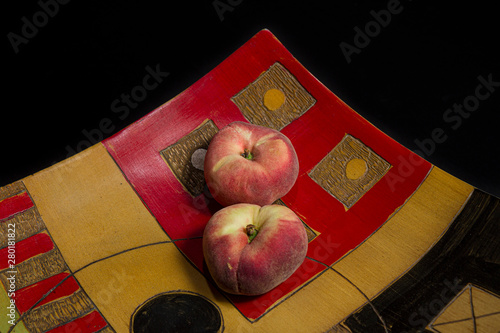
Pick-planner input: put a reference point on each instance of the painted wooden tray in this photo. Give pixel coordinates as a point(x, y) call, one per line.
point(109, 240)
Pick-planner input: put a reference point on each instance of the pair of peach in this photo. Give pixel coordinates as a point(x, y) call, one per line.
point(251, 246)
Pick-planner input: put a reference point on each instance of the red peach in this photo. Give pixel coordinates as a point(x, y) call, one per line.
point(246, 163)
point(250, 249)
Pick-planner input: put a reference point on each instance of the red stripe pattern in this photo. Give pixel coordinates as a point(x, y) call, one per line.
point(28, 248)
point(29, 296)
point(92, 322)
point(14, 205)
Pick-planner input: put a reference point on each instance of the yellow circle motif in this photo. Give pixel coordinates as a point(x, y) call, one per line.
point(274, 99)
point(355, 168)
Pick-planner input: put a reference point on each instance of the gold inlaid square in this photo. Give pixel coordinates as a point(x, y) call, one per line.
point(179, 157)
point(274, 99)
point(349, 170)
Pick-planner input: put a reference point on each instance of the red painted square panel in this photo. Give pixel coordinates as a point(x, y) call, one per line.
point(386, 172)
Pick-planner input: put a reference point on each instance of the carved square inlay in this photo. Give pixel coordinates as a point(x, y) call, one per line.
point(274, 99)
point(349, 170)
point(185, 157)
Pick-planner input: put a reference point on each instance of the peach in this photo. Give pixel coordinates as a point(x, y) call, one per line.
point(250, 249)
point(246, 163)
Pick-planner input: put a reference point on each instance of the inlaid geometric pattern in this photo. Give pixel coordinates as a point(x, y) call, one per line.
point(179, 157)
point(472, 310)
point(349, 170)
point(274, 99)
point(59, 311)
point(36, 269)
point(47, 297)
point(27, 222)
point(11, 190)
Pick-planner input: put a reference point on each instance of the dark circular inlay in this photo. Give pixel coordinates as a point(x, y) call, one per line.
point(177, 312)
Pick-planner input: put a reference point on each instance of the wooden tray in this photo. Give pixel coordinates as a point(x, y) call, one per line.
point(109, 240)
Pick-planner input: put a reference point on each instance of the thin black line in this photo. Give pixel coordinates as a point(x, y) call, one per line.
point(466, 319)
point(132, 249)
point(472, 309)
point(489, 314)
point(360, 291)
point(432, 323)
point(452, 322)
point(71, 274)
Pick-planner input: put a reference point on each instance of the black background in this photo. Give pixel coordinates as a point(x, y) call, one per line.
point(63, 81)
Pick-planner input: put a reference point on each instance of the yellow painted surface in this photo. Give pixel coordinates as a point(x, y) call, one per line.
point(458, 310)
point(488, 324)
point(89, 208)
point(466, 326)
point(314, 308)
point(485, 303)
